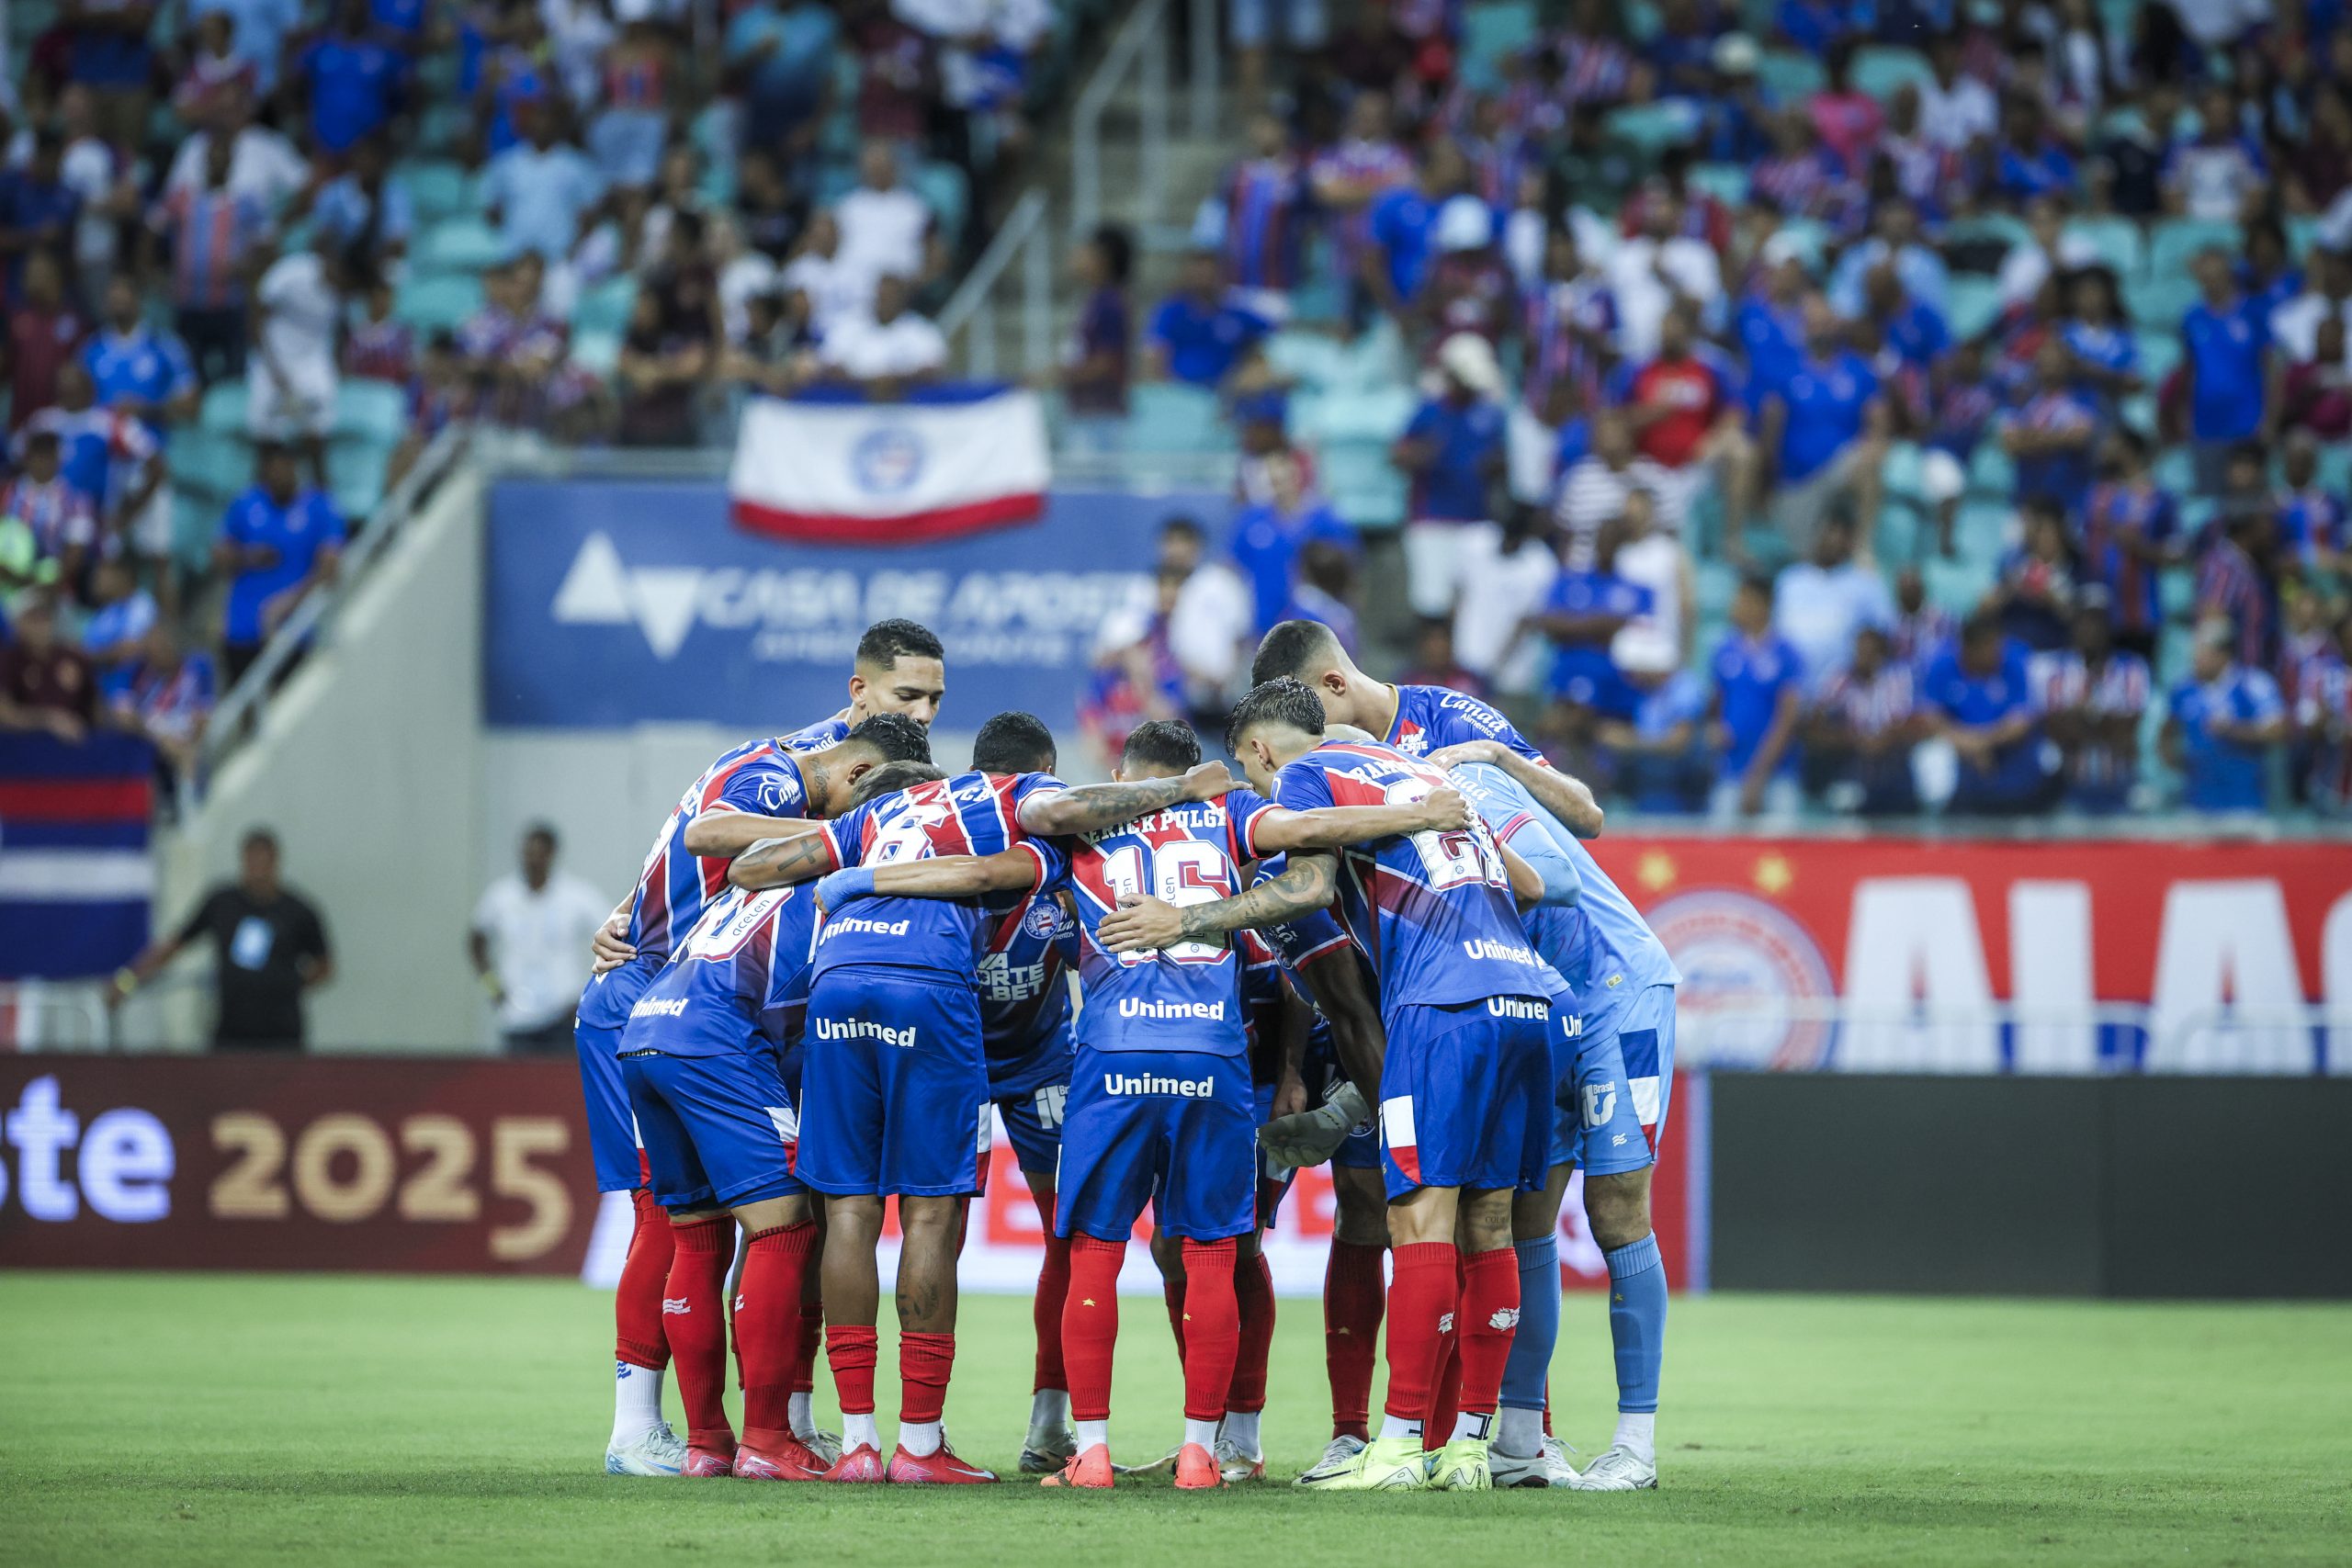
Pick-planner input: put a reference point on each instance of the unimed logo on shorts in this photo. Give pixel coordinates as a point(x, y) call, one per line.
point(850, 926)
point(863, 1029)
point(1146, 1083)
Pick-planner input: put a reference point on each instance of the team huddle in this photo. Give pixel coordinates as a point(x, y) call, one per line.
point(1387, 950)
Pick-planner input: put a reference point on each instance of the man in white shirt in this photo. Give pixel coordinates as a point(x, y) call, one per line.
point(1955, 108)
point(1507, 573)
point(884, 227)
point(1818, 604)
point(262, 164)
point(891, 347)
point(1656, 267)
point(542, 194)
point(2046, 246)
point(530, 944)
point(837, 291)
point(290, 377)
point(2294, 326)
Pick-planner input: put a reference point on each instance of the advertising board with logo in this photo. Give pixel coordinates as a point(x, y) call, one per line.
point(617, 604)
point(1958, 955)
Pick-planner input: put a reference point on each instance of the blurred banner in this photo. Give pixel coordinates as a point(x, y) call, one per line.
point(427, 1165)
point(1982, 957)
point(75, 876)
point(953, 459)
point(613, 604)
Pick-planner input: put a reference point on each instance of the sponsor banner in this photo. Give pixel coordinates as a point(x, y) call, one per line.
point(75, 876)
point(402, 1165)
point(1959, 955)
point(619, 603)
point(953, 461)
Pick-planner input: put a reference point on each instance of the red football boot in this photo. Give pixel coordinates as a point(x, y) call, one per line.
point(784, 1460)
point(940, 1469)
point(1090, 1470)
point(861, 1463)
point(1196, 1468)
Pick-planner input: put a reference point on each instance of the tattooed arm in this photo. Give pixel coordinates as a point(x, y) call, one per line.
point(780, 863)
point(1091, 807)
point(720, 833)
point(1336, 826)
point(941, 876)
point(1147, 924)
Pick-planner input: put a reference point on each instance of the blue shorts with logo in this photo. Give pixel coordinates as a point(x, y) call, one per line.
point(1593, 1122)
point(1032, 1094)
point(894, 1086)
point(1178, 1124)
point(1465, 1096)
point(612, 1130)
point(719, 1131)
point(1642, 1032)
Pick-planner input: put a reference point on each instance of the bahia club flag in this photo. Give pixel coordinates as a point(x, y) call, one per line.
point(75, 876)
point(832, 468)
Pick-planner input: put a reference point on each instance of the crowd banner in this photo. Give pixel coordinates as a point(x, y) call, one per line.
point(409, 1165)
point(75, 876)
point(954, 459)
point(1896, 954)
point(618, 602)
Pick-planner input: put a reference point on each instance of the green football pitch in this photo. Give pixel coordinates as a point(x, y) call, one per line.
point(252, 1419)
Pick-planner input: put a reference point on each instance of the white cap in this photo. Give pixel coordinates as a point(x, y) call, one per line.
point(1736, 54)
point(1470, 359)
point(1642, 649)
point(1464, 224)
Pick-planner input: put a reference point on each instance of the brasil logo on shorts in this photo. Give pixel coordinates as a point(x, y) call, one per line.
point(1755, 984)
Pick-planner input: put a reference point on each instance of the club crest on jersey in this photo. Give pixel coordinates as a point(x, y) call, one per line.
point(1044, 919)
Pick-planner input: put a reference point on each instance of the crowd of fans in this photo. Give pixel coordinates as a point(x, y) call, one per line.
point(1893, 404)
point(265, 224)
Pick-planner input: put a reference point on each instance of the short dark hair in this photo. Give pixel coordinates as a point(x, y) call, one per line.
point(259, 838)
point(886, 642)
point(1757, 583)
point(1287, 651)
point(542, 830)
point(1180, 524)
point(1167, 741)
point(889, 779)
point(1982, 623)
point(1118, 248)
point(1281, 700)
point(1014, 742)
point(898, 738)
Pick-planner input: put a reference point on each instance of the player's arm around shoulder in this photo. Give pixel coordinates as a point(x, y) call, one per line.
point(1017, 870)
point(1090, 809)
point(1281, 830)
point(782, 862)
point(1145, 924)
point(1569, 799)
point(723, 833)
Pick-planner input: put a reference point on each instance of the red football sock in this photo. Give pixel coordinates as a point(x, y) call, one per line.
point(1172, 1292)
point(1090, 1323)
point(1420, 1300)
point(1354, 1297)
point(694, 1315)
point(767, 1327)
point(850, 1349)
point(1053, 1285)
point(1488, 1318)
point(811, 1337)
point(1212, 1327)
point(1445, 1399)
point(926, 1362)
point(1253, 1292)
point(637, 1337)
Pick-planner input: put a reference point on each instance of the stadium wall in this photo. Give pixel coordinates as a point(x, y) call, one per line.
point(2154, 1187)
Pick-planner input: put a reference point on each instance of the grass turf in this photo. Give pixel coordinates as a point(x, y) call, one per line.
point(264, 1420)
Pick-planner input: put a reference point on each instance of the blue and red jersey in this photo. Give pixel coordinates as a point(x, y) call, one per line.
point(1187, 997)
point(1429, 718)
point(1433, 911)
point(1293, 945)
point(675, 885)
point(818, 736)
point(971, 814)
point(739, 981)
point(1262, 233)
point(1024, 982)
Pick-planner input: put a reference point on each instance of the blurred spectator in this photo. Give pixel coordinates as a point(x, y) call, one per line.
point(626, 135)
point(2131, 533)
point(2041, 253)
point(1759, 680)
point(1824, 435)
point(2233, 379)
point(780, 56)
point(2296, 324)
point(542, 194)
point(2317, 393)
point(1433, 663)
point(1096, 366)
point(168, 697)
point(114, 634)
point(529, 945)
point(378, 345)
point(2313, 520)
point(1135, 675)
point(1861, 730)
point(1819, 605)
point(59, 522)
point(892, 349)
point(664, 364)
point(1685, 418)
point(216, 236)
point(1658, 270)
point(1257, 218)
point(115, 463)
point(1452, 452)
point(1400, 228)
point(887, 230)
point(1658, 758)
point(39, 211)
point(356, 82)
point(1980, 699)
point(838, 291)
point(1198, 333)
point(250, 162)
point(1506, 575)
point(1349, 175)
point(290, 377)
point(2034, 588)
point(269, 947)
point(2221, 724)
point(1583, 613)
point(276, 543)
point(2234, 586)
point(363, 210)
point(1468, 287)
point(46, 684)
point(2214, 174)
point(2324, 723)
point(259, 29)
point(45, 333)
point(1210, 623)
point(2052, 435)
point(2092, 695)
point(1270, 540)
point(1593, 491)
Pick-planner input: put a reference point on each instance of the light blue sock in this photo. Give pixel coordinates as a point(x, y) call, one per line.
point(1637, 1321)
point(1539, 1324)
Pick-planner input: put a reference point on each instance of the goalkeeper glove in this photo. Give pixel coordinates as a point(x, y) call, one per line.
point(1310, 1137)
